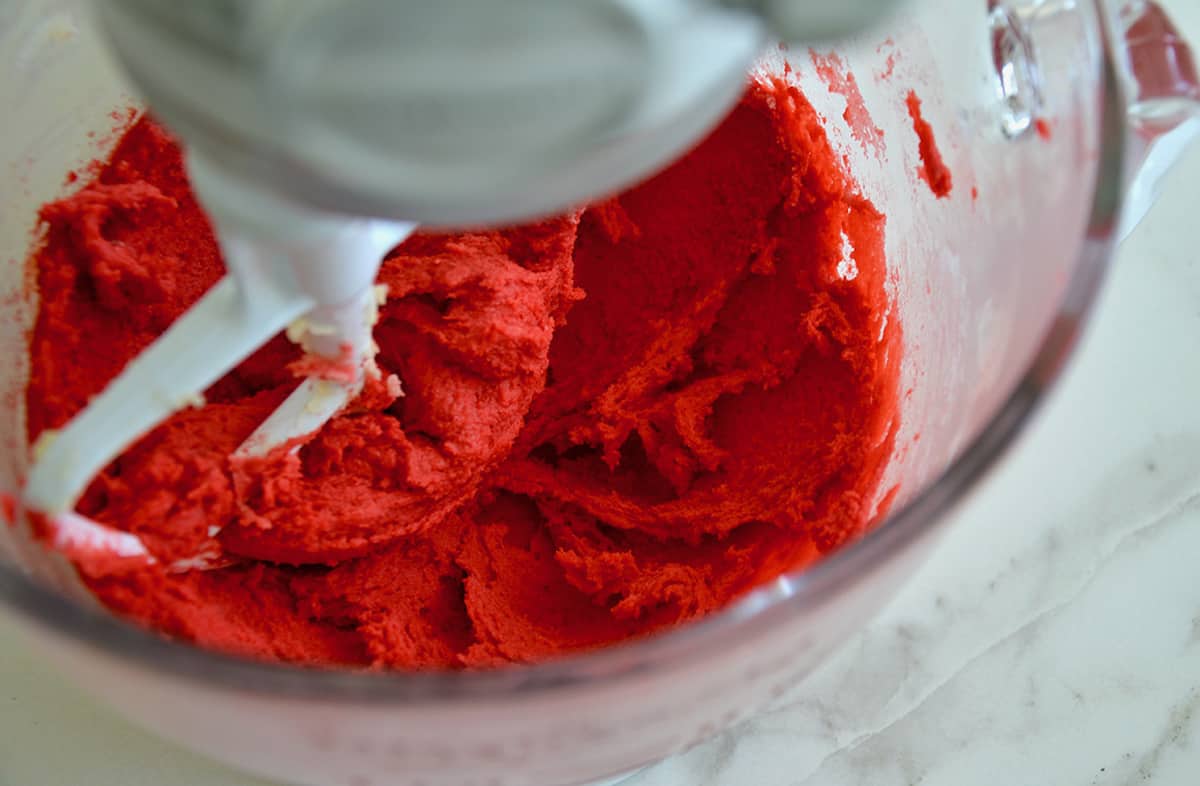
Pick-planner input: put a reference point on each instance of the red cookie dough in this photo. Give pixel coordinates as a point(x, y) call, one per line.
point(610, 422)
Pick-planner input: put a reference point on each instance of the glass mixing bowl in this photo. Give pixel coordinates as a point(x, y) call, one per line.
point(1048, 112)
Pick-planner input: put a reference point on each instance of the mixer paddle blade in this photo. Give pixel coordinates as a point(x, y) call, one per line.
point(310, 406)
point(213, 336)
point(320, 288)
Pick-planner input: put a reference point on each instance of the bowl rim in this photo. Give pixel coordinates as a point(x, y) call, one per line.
point(676, 648)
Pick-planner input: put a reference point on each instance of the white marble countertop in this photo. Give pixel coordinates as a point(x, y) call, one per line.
point(1053, 638)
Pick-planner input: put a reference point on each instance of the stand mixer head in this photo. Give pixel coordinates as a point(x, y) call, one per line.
point(459, 112)
point(320, 133)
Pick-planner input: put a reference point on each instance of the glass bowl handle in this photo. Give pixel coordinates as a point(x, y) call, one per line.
point(1163, 88)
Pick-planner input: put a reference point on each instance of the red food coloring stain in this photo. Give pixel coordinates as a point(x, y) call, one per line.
point(838, 77)
point(889, 67)
point(8, 508)
point(933, 169)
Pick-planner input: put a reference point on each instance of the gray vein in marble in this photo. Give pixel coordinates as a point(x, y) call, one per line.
point(1023, 636)
point(1176, 735)
point(1020, 640)
point(882, 680)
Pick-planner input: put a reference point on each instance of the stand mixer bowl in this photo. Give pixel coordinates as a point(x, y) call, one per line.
point(991, 284)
